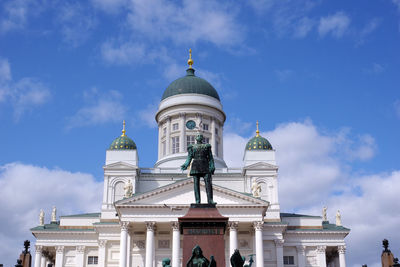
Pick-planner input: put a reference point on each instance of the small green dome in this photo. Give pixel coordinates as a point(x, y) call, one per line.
point(258, 143)
point(190, 84)
point(122, 142)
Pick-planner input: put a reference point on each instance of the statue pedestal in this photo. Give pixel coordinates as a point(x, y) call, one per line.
point(203, 225)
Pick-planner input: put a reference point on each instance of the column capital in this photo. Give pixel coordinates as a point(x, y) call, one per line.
point(150, 226)
point(301, 249)
point(279, 243)
point(60, 249)
point(342, 249)
point(38, 248)
point(321, 249)
point(258, 225)
point(102, 243)
point(182, 114)
point(233, 226)
point(175, 226)
point(80, 249)
point(124, 225)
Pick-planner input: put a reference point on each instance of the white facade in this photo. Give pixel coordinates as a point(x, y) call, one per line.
point(142, 229)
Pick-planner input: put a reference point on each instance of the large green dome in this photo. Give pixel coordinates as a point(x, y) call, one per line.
point(190, 84)
point(122, 142)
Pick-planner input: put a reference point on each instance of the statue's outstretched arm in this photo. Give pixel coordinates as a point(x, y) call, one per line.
point(188, 159)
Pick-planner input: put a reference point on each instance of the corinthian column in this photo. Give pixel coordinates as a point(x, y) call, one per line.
point(176, 240)
point(59, 256)
point(321, 256)
point(233, 240)
point(342, 259)
point(151, 227)
point(38, 255)
point(258, 227)
point(123, 244)
point(80, 256)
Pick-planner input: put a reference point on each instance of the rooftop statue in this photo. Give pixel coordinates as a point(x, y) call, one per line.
point(198, 260)
point(128, 189)
point(256, 189)
point(54, 214)
point(324, 217)
point(201, 162)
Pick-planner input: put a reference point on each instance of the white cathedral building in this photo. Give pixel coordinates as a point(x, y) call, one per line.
point(137, 225)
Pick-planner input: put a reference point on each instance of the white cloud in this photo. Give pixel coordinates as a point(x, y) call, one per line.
point(284, 75)
point(110, 6)
point(14, 14)
point(99, 108)
point(148, 115)
point(286, 17)
point(124, 53)
point(76, 23)
point(28, 189)
point(314, 172)
point(5, 70)
point(303, 27)
point(369, 28)
point(27, 94)
point(24, 95)
point(186, 22)
point(376, 68)
point(336, 25)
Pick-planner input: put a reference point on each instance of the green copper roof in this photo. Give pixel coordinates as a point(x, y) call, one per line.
point(122, 143)
point(190, 84)
point(258, 143)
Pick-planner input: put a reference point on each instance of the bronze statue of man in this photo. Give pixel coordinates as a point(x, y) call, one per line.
point(202, 165)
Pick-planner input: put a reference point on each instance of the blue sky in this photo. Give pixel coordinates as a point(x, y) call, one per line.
point(324, 73)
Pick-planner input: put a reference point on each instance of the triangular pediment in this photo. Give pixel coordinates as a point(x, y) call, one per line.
point(261, 166)
point(181, 194)
point(120, 165)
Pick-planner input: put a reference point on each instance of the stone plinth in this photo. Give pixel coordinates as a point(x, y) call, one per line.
point(203, 225)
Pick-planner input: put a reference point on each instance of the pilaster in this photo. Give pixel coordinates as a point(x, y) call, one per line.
point(279, 252)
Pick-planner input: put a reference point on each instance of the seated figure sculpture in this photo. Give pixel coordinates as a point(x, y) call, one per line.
point(197, 259)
